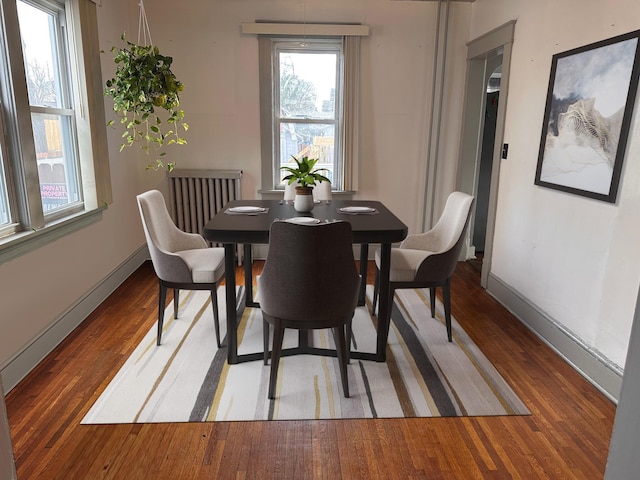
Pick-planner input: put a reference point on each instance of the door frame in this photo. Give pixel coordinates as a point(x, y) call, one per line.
point(7, 462)
point(478, 51)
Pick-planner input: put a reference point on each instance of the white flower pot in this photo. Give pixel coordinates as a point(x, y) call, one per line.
point(303, 201)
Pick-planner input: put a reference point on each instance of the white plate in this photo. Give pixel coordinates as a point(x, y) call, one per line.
point(357, 209)
point(303, 220)
point(246, 209)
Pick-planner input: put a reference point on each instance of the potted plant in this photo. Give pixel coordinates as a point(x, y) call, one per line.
point(143, 87)
point(306, 176)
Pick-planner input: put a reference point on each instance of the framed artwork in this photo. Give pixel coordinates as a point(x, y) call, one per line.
point(590, 102)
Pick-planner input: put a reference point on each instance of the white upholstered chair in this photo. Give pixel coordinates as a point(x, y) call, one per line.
point(427, 260)
point(290, 191)
point(181, 260)
point(322, 192)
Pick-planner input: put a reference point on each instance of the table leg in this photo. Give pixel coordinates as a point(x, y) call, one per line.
point(384, 306)
point(364, 260)
point(248, 276)
point(303, 339)
point(230, 287)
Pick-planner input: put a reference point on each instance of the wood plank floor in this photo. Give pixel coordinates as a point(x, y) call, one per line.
point(566, 437)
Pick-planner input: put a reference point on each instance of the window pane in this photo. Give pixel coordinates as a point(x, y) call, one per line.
point(307, 85)
point(308, 140)
point(56, 161)
point(38, 32)
point(49, 93)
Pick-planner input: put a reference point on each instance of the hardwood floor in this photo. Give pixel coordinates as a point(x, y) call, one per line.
point(567, 435)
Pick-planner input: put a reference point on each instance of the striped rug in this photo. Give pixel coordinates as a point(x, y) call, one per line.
point(187, 379)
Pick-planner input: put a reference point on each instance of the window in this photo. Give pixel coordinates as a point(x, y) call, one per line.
point(309, 92)
point(46, 61)
point(307, 110)
point(53, 160)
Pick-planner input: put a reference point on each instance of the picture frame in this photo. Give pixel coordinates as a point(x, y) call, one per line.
point(590, 102)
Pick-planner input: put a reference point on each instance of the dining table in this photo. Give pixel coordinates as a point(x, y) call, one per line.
point(247, 223)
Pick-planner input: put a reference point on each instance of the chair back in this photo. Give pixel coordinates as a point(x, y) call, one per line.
point(290, 191)
point(310, 273)
point(454, 219)
point(449, 237)
point(322, 191)
point(163, 238)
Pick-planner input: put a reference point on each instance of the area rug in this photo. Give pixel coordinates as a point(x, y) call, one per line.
point(187, 378)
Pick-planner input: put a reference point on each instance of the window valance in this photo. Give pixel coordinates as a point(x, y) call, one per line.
point(308, 29)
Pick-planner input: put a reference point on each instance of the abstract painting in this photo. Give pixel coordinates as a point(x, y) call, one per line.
point(587, 116)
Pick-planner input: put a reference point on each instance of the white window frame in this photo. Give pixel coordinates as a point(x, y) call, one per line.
point(350, 35)
point(66, 94)
point(30, 227)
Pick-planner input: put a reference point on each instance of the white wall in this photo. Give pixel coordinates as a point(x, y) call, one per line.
point(39, 288)
point(219, 67)
point(575, 259)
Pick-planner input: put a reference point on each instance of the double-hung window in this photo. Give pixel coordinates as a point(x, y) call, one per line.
point(309, 98)
point(45, 49)
point(307, 106)
point(53, 155)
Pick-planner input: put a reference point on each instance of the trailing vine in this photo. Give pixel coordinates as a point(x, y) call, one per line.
point(143, 86)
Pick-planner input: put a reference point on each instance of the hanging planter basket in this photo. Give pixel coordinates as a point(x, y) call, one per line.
point(146, 97)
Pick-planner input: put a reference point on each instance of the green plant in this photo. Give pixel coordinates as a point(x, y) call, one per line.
point(143, 85)
point(305, 173)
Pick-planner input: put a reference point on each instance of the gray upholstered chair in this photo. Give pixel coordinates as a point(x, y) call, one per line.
point(427, 260)
point(181, 260)
point(309, 281)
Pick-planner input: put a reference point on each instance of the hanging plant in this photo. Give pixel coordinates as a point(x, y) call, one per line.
point(144, 86)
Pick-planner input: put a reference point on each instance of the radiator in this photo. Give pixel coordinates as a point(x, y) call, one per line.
point(195, 196)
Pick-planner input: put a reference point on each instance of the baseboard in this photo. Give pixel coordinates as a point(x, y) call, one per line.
point(26, 360)
point(603, 374)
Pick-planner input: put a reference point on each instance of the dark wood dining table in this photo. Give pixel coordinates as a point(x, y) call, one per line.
point(381, 227)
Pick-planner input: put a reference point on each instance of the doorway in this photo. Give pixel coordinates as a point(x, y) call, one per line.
point(488, 60)
point(485, 160)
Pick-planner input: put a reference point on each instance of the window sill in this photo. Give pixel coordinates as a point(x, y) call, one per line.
point(18, 244)
point(268, 194)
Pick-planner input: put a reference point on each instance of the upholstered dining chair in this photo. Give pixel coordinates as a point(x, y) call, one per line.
point(427, 260)
point(322, 192)
point(290, 191)
point(181, 260)
point(309, 281)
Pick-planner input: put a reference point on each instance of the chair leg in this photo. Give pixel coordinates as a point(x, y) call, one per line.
point(446, 297)
point(176, 302)
point(265, 340)
point(278, 335)
point(376, 288)
point(432, 298)
point(162, 298)
point(342, 358)
point(349, 335)
point(216, 317)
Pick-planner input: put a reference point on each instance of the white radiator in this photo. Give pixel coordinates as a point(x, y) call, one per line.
point(195, 196)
